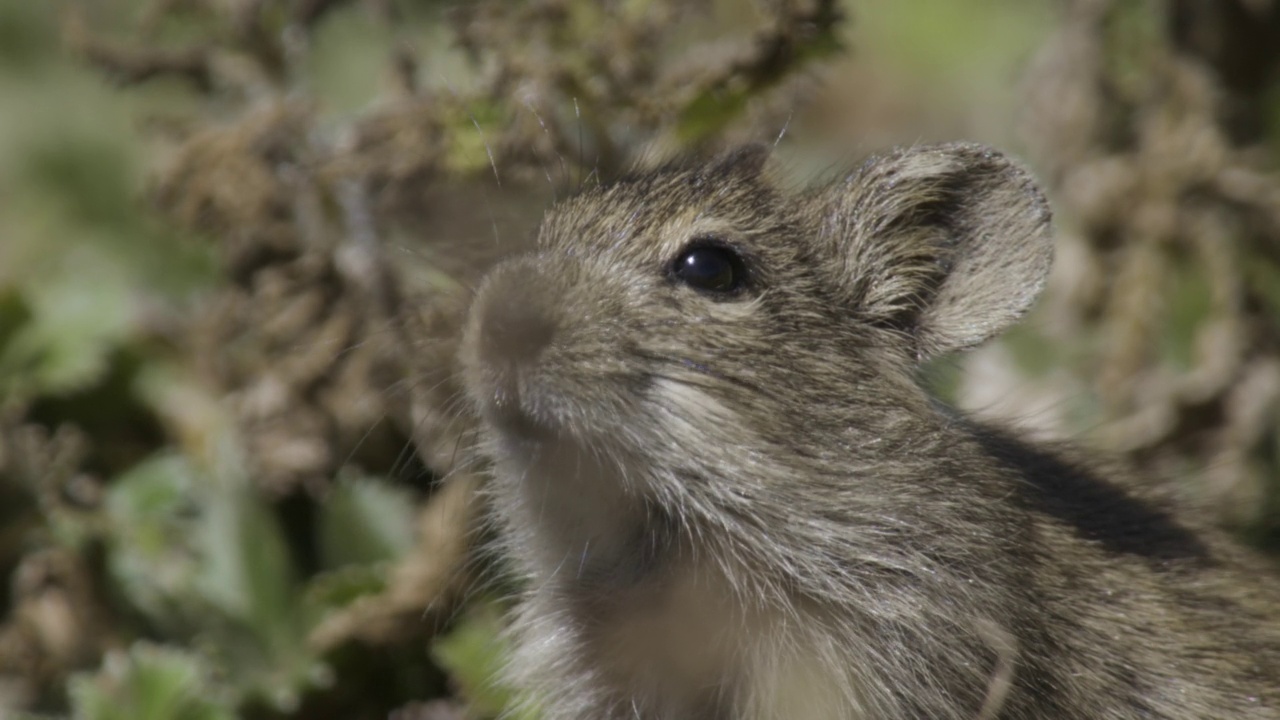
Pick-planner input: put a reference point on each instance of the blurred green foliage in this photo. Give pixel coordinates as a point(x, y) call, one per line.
point(149, 683)
point(210, 612)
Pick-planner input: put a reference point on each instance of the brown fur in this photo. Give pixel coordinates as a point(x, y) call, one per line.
point(746, 507)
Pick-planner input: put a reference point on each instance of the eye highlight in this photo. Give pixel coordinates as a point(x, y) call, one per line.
point(710, 267)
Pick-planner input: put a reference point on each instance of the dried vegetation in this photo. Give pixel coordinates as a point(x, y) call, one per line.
point(253, 502)
point(1158, 125)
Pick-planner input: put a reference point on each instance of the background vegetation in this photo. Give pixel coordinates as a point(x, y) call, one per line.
point(237, 236)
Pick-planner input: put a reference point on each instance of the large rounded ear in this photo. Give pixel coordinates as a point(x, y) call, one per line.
point(948, 243)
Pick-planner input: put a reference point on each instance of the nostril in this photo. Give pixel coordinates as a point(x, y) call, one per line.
point(516, 325)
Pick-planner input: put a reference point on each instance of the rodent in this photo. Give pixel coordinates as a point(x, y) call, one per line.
point(732, 499)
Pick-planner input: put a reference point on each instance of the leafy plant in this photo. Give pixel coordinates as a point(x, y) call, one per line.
point(149, 682)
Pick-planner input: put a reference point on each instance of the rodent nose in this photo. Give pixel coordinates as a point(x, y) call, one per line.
point(516, 320)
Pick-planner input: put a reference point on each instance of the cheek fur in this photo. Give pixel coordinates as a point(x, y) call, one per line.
point(687, 410)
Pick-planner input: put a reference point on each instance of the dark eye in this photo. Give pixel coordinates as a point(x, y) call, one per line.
point(709, 267)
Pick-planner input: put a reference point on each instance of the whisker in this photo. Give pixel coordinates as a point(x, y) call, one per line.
point(563, 167)
point(582, 561)
point(783, 131)
point(487, 148)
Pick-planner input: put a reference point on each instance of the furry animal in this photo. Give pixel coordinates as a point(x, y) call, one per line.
point(733, 500)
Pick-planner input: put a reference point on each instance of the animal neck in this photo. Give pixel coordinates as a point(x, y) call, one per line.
point(586, 519)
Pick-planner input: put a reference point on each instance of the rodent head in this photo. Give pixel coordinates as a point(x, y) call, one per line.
point(694, 320)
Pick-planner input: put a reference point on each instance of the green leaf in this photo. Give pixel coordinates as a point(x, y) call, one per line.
point(149, 682)
point(365, 520)
point(246, 567)
point(473, 654)
point(203, 557)
point(151, 511)
point(72, 327)
point(339, 588)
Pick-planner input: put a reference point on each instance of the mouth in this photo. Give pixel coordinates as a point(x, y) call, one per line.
point(508, 410)
point(529, 407)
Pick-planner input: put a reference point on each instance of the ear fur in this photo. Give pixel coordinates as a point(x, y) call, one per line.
point(950, 243)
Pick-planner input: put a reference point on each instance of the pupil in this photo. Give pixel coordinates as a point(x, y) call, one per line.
point(709, 268)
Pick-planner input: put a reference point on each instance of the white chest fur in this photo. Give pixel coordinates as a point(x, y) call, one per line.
point(650, 622)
